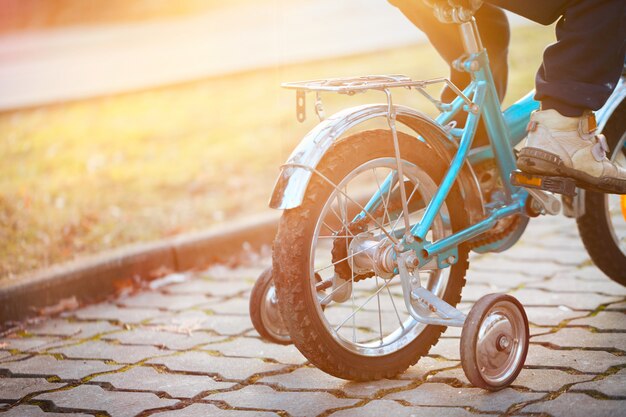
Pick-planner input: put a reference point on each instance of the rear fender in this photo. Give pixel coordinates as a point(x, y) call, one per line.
point(296, 173)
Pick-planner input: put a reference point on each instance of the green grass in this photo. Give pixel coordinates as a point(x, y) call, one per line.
point(83, 177)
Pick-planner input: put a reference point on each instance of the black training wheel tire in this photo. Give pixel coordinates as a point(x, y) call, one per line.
point(595, 227)
point(264, 311)
point(494, 341)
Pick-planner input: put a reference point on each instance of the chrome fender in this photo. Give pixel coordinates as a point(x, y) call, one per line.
point(296, 173)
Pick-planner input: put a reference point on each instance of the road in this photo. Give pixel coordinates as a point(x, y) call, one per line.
point(80, 62)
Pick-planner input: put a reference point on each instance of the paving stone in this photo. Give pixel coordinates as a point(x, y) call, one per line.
point(621, 306)
point(566, 282)
point(505, 279)
point(13, 358)
point(73, 329)
point(573, 337)
point(424, 366)
point(310, 378)
point(452, 332)
point(612, 386)
point(578, 405)
point(30, 344)
point(110, 351)
point(152, 299)
point(195, 410)
point(256, 348)
point(591, 273)
point(605, 320)
point(437, 394)
point(14, 389)
point(235, 306)
point(472, 293)
point(209, 287)
point(295, 403)
point(64, 369)
point(229, 368)
point(447, 348)
point(547, 380)
point(158, 338)
point(587, 361)
point(575, 301)
point(198, 320)
point(551, 316)
point(34, 411)
point(528, 253)
point(112, 312)
point(379, 408)
point(117, 404)
point(534, 270)
point(176, 385)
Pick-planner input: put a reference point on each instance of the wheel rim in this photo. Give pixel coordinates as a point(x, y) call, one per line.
point(615, 205)
point(270, 316)
point(374, 321)
point(500, 343)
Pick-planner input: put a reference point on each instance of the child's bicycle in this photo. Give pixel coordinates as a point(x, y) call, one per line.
point(372, 248)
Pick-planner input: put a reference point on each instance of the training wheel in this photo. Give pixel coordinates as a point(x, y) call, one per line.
point(264, 310)
point(494, 341)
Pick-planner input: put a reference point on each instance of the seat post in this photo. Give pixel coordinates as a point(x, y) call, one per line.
point(470, 37)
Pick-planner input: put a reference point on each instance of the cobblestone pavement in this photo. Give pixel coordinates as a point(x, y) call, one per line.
point(187, 348)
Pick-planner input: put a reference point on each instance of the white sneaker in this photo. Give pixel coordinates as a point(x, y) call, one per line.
point(568, 147)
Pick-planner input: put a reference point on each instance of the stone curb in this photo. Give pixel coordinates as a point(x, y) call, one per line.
point(96, 277)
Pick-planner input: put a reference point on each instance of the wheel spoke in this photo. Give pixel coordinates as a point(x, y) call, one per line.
point(393, 303)
point(380, 318)
point(362, 305)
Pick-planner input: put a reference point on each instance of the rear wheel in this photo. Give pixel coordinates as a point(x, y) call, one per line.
point(603, 226)
point(354, 324)
point(264, 312)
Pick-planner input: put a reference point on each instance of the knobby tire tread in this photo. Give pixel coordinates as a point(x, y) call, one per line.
point(291, 258)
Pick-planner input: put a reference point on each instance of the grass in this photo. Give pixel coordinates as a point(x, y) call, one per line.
point(79, 178)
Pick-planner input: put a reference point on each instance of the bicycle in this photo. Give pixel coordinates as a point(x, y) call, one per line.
point(380, 223)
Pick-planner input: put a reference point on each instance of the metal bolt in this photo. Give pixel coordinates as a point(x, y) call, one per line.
point(412, 261)
point(450, 260)
point(503, 343)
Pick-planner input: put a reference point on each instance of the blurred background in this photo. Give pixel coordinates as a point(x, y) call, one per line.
point(129, 121)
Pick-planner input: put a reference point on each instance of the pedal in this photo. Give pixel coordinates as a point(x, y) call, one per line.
point(558, 185)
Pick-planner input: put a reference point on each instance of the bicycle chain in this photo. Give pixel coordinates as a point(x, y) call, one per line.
point(492, 236)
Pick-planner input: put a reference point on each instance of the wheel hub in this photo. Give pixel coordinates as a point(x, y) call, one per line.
point(370, 255)
point(495, 343)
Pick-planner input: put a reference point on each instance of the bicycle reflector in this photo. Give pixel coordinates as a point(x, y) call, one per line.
point(623, 204)
point(559, 185)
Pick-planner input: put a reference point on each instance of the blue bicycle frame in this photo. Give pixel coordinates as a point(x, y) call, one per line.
point(505, 130)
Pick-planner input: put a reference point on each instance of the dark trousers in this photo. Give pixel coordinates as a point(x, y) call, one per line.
point(579, 71)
